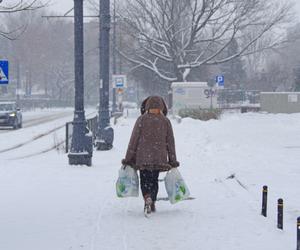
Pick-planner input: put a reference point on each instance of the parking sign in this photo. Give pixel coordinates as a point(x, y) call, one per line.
point(220, 80)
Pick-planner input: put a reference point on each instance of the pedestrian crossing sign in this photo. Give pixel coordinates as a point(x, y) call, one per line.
point(4, 72)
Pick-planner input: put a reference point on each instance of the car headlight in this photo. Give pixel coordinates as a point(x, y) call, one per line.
point(12, 114)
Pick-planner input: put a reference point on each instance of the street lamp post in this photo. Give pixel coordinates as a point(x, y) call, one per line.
point(81, 145)
point(18, 83)
point(114, 102)
point(105, 133)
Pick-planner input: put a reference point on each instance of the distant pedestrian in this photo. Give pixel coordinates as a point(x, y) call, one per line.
point(151, 148)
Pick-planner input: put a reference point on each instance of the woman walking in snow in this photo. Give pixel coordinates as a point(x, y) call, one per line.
point(151, 148)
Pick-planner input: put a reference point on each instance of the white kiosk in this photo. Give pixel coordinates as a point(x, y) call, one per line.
point(192, 95)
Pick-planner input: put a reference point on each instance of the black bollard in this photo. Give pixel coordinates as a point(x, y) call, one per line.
point(264, 201)
point(280, 214)
point(298, 233)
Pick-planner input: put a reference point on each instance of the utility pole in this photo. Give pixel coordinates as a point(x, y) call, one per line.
point(81, 145)
point(105, 133)
point(46, 84)
point(114, 103)
point(120, 47)
point(18, 90)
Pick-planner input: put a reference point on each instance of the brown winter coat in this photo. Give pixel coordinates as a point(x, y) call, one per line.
point(152, 145)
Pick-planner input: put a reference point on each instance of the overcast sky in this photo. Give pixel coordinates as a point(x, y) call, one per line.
point(61, 6)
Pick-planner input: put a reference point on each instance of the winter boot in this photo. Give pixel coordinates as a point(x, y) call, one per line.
point(148, 205)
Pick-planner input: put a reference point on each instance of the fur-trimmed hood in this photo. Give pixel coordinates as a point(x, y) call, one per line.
point(154, 102)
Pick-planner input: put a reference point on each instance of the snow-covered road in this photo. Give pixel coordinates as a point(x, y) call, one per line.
point(47, 204)
point(42, 131)
point(33, 118)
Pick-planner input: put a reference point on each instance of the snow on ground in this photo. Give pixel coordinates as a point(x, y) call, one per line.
point(47, 204)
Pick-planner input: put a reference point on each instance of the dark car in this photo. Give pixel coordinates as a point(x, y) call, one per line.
point(10, 115)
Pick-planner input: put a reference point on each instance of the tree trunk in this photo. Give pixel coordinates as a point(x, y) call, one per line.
point(179, 75)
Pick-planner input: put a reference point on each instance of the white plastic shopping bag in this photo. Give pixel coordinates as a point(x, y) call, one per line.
point(176, 188)
point(128, 182)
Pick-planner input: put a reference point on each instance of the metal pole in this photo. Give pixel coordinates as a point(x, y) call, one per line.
point(211, 98)
point(18, 84)
point(27, 83)
point(264, 201)
point(120, 47)
point(280, 213)
point(105, 134)
point(298, 233)
point(46, 84)
point(30, 83)
point(81, 145)
point(114, 104)
point(67, 137)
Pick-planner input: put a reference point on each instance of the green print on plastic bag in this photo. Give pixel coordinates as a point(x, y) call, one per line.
point(178, 197)
point(121, 189)
point(180, 193)
point(182, 189)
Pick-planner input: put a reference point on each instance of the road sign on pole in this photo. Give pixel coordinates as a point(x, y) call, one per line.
point(119, 81)
point(4, 72)
point(220, 80)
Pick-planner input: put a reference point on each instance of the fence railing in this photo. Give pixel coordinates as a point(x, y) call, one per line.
point(92, 124)
point(230, 98)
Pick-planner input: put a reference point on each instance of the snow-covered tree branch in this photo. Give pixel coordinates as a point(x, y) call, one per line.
point(175, 37)
point(9, 7)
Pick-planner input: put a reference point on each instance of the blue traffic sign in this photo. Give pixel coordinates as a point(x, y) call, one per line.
point(119, 81)
point(220, 80)
point(4, 72)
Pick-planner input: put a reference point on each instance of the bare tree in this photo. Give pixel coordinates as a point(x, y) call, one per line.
point(175, 37)
point(9, 7)
point(281, 67)
point(43, 54)
point(93, 6)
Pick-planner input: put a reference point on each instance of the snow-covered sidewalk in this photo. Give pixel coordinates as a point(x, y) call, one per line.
point(47, 204)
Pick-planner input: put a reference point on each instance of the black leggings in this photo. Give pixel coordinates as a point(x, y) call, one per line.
point(149, 183)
